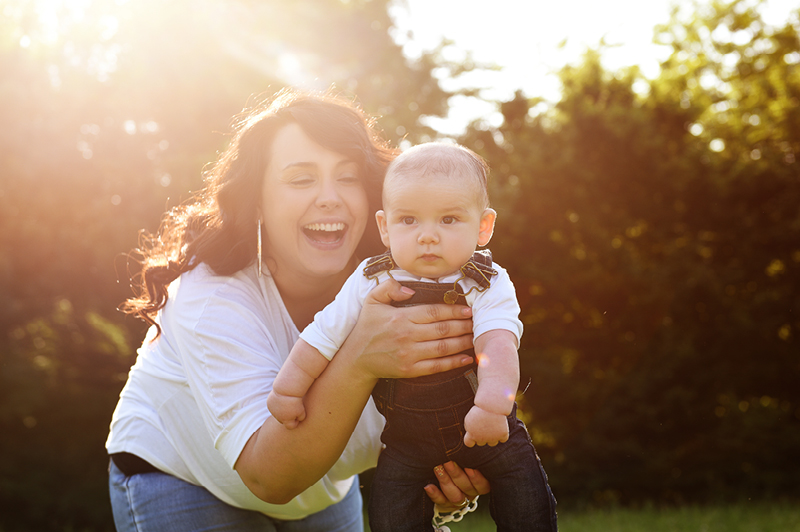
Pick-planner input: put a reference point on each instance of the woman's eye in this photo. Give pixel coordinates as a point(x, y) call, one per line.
point(302, 179)
point(447, 220)
point(407, 220)
point(350, 179)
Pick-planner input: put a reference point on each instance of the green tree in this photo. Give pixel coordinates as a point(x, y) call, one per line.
point(660, 289)
point(110, 110)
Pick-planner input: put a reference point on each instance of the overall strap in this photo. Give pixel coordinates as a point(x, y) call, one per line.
point(379, 263)
point(478, 268)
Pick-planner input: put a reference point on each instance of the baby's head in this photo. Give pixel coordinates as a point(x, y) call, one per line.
point(435, 208)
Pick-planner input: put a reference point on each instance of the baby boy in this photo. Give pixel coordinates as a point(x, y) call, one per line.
point(435, 214)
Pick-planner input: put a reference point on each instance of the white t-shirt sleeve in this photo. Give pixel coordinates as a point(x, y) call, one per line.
point(497, 307)
point(230, 359)
point(333, 324)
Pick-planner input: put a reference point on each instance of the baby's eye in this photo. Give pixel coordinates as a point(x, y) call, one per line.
point(447, 220)
point(407, 220)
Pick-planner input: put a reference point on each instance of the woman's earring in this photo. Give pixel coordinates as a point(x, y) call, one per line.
point(259, 247)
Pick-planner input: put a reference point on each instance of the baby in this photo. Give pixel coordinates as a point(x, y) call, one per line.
point(435, 214)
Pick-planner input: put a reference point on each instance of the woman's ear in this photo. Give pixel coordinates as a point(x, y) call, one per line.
point(383, 228)
point(487, 226)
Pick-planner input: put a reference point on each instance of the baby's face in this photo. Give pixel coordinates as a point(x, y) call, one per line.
point(433, 225)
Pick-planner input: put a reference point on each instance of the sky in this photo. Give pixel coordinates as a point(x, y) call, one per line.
point(523, 37)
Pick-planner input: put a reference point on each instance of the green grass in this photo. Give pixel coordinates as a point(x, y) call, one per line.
point(760, 517)
point(745, 517)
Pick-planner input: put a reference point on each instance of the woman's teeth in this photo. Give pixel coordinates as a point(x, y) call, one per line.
point(325, 227)
point(325, 233)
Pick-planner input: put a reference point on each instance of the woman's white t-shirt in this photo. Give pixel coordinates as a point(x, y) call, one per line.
point(199, 391)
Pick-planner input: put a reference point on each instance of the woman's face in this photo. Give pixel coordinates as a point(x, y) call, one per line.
point(314, 207)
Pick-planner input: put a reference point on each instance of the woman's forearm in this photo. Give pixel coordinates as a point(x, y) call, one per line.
point(277, 464)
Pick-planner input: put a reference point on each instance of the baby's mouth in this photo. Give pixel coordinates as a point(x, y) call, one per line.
point(325, 233)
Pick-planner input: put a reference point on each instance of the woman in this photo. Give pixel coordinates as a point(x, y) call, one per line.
point(227, 285)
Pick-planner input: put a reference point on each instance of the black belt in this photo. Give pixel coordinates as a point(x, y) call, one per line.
point(130, 464)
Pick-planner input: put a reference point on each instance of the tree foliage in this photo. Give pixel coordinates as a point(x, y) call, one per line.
point(660, 284)
point(110, 111)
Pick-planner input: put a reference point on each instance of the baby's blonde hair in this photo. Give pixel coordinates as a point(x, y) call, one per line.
point(441, 159)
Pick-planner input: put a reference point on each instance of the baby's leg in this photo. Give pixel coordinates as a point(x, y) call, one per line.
point(520, 497)
point(398, 502)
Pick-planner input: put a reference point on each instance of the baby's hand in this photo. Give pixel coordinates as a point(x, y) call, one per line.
point(288, 410)
point(484, 428)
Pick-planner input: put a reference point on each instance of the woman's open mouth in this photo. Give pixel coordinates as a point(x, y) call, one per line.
point(325, 233)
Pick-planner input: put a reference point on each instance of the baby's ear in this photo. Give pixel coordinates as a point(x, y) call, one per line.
point(380, 218)
point(487, 226)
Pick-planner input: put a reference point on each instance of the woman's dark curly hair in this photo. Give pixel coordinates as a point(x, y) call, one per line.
point(218, 225)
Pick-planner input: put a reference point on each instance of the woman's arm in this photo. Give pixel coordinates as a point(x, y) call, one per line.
point(277, 464)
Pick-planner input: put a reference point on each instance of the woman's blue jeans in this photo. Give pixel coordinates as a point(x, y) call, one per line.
point(425, 428)
point(159, 502)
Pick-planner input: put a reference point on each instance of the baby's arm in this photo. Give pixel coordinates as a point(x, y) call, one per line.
point(296, 376)
point(498, 379)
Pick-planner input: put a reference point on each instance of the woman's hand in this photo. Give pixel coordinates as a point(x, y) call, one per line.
point(456, 486)
point(412, 341)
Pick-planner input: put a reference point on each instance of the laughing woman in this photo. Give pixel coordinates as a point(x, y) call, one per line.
point(226, 285)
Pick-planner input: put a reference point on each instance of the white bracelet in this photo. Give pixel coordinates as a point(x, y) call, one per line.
point(456, 515)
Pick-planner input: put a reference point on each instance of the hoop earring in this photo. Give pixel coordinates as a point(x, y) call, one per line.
point(258, 233)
